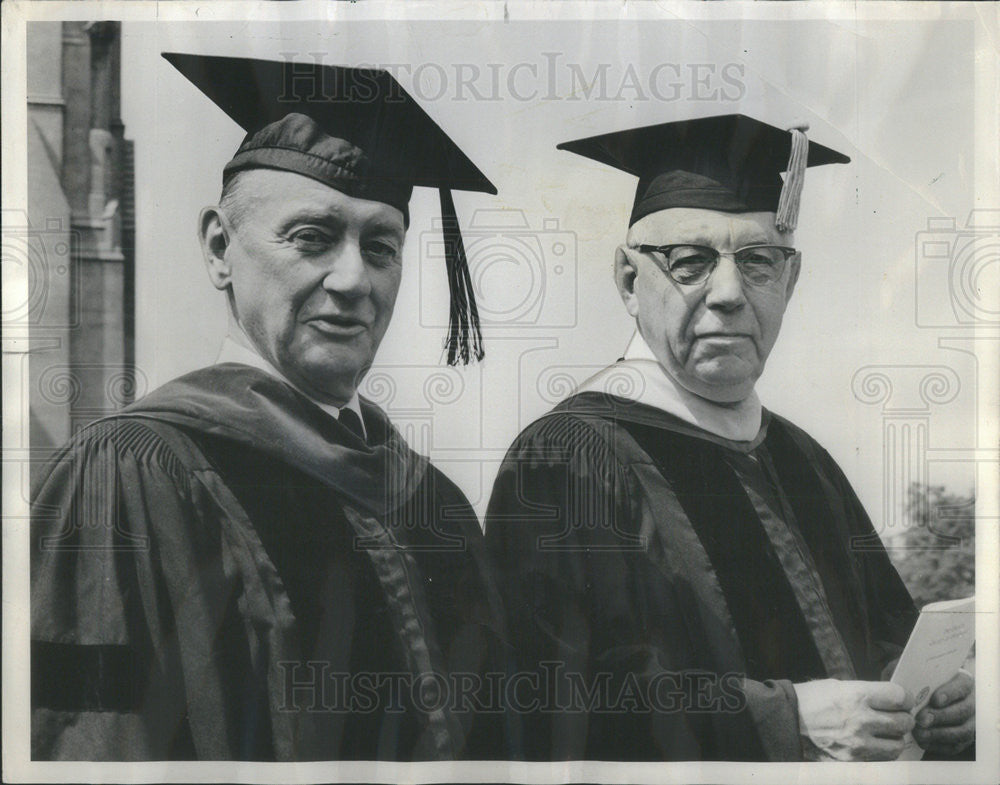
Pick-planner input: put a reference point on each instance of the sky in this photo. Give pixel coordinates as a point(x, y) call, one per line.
point(876, 358)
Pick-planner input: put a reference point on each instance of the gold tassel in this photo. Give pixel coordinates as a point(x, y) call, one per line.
point(787, 216)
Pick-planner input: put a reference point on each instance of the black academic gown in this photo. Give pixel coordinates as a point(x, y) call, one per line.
point(224, 571)
point(668, 586)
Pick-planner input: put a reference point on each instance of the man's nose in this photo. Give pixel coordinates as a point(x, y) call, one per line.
point(347, 273)
point(725, 286)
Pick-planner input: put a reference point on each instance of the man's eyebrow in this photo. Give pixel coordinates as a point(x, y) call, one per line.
point(333, 214)
point(677, 240)
point(383, 225)
point(703, 240)
point(313, 213)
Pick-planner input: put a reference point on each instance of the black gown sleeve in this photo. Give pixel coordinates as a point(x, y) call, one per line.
point(890, 607)
point(106, 673)
point(541, 517)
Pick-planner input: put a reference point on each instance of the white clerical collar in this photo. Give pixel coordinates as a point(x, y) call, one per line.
point(640, 377)
point(234, 351)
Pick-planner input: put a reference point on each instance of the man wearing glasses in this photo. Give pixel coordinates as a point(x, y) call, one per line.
point(676, 560)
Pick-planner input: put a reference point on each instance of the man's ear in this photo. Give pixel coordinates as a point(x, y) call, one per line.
point(214, 237)
point(793, 277)
point(625, 274)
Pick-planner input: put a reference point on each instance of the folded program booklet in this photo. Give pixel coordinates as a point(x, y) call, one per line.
point(937, 648)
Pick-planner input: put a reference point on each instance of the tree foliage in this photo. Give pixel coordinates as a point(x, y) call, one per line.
point(936, 554)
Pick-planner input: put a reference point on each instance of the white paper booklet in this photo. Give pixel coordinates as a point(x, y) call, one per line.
point(937, 648)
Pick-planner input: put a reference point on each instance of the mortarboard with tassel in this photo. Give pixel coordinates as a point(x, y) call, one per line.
point(358, 131)
point(730, 163)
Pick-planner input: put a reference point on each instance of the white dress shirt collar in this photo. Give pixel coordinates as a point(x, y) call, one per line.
point(237, 350)
point(640, 377)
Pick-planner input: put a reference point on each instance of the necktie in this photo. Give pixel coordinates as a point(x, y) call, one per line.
point(350, 420)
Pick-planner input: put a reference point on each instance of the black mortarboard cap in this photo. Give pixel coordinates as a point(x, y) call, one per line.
point(730, 163)
point(356, 130)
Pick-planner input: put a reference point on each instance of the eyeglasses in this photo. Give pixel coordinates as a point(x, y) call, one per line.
point(693, 264)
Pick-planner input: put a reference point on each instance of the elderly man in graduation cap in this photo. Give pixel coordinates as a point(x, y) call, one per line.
point(677, 562)
point(250, 563)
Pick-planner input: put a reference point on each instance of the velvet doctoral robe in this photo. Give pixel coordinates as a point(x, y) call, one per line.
point(224, 571)
point(665, 587)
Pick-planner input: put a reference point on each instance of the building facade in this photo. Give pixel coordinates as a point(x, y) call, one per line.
point(78, 238)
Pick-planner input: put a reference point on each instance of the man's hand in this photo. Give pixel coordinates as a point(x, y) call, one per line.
point(947, 724)
point(853, 720)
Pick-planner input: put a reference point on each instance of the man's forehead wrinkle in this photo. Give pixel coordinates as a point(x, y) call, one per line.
point(299, 198)
point(663, 228)
point(704, 227)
